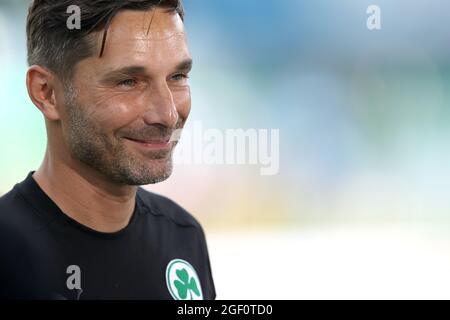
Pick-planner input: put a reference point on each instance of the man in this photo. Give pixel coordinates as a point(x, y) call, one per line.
point(114, 94)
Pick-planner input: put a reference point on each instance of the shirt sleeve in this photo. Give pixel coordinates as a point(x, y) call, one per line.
point(208, 287)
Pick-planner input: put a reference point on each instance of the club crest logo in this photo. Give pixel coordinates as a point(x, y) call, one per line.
point(182, 281)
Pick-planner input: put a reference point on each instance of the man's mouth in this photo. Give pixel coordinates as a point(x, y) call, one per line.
point(160, 143)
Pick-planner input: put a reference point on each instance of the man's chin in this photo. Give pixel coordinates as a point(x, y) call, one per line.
point(159, 171)
point(137, 173)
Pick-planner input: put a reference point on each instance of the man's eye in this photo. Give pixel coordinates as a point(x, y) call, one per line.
point(127, 83)
point(180, 76)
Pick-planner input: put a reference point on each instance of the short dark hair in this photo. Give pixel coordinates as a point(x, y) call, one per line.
point(54, 46)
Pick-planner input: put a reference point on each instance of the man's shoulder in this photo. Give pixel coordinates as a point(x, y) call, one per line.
point(10, 201)
point(7, 196)
point(15, 211)
point(164, 207)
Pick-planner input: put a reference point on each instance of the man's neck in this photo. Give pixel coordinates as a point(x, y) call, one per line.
point(86, 196)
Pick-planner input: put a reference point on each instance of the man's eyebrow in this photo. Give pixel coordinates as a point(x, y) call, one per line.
point(185, 65)
point(125, 71)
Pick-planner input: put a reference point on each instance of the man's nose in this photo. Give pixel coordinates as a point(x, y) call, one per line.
point(161, 107)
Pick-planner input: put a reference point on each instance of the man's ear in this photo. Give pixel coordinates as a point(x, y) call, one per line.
point(41, 89)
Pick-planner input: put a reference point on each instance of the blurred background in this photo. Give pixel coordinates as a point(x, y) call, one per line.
point(360, 207)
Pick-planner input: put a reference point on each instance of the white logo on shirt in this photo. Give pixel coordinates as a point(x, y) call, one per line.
point(182, 281)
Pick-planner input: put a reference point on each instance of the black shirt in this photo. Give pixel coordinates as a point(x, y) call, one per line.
point(160, 254)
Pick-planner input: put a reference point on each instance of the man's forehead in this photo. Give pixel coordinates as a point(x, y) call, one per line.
point(152, 25)
point(137, 37)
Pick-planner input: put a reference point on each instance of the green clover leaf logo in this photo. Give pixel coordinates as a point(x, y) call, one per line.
point(182, 281)
point(185, 285)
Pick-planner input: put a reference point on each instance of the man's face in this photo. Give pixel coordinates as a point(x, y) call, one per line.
point(136, 92)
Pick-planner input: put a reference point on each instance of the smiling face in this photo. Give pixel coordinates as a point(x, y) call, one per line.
point(121, 109)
